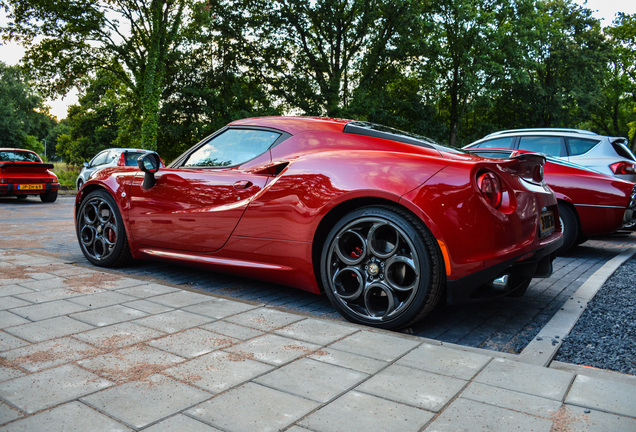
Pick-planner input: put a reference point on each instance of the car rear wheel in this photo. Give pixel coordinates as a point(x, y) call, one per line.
point(48, 197)
point(381, 267)
point(100, 231)
point(570, 227)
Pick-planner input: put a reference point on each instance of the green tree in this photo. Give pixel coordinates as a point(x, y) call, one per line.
point(69, 41)
point(24, 120)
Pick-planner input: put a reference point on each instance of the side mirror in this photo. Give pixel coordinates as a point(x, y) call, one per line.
point(149, 163)
point(85, 164)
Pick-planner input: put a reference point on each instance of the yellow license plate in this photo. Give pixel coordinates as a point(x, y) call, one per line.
point(30, 187)
point(547, 223)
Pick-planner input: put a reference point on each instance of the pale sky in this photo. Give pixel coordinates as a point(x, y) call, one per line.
point(605, 10)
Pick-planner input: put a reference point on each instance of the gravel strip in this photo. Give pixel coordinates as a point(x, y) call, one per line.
point(605, 335)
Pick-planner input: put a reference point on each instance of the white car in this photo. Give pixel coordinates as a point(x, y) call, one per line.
point(608, 155)
point(109, 158)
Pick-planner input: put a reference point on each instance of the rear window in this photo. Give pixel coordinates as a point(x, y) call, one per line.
point(497, 143)
point(130, 158)
point(578, 146)
point(549, 145)
point(18, 156)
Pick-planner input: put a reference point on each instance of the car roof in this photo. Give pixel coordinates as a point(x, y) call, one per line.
point(295, 125)
point(542, 130)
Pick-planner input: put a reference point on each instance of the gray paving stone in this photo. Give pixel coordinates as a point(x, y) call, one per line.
point(604, 395)
point(103, 299)
point(73, 416)
point(274, 349)
point(381, 346)
point(413, 387)
point(7, 373)
point(512, 400)
point(445, 361)
point(526, 378)
point(147, 290)
point(118, 335)
point(12, 302)
point(9, 319)
point(466, 415)
point(320, 332)
point(9, 290)
point(49, 295)
point(264, 318)
point(42, 311)
point(220, 308)
point(8, 342)
point(142, 403)
point(180, 299)
point(183, 423)
point(575, 419)
point(252, 407)
point(218, 371)
point(359, 412)
point(193, 342)
point(173, 321)
point(130, 364)
point(8, 414)
point(41, 390)
point(50, 353)
point(148, 306)
point(232, 330)
point(108, 315)
point(348, 360)
point(48, 285)
point(49, 329)
point(312, 379)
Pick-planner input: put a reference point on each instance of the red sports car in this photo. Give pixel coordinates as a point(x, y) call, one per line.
point(23, 173)
point(590, 203)
point(385, 223)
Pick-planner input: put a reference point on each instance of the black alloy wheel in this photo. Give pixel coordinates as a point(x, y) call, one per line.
point(380, 266)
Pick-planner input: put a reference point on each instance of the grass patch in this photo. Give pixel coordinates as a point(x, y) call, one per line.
point(66, 174)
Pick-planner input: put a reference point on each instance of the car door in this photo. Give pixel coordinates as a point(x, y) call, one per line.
point(195, 205)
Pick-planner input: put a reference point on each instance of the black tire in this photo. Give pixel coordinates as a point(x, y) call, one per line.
point(570, 226)
point(100, 231)
point(48, 197)
point(80, 182)
point(381, 267)
point(21, 197)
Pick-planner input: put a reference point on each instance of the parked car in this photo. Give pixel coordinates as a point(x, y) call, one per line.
point(608, 155)
point(22, 173)
point(108, 158)
point(590, 203)
point(385, 223)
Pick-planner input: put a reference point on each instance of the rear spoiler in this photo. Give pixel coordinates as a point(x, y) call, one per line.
point(26, 165)
point(528, 166)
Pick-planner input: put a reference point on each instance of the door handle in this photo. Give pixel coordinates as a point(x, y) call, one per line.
point(243, 184)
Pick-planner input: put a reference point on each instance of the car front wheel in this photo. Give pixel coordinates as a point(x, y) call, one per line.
point(100, 231)
point(380, 266)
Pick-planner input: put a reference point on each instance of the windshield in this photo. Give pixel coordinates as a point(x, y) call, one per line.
point(18, 156)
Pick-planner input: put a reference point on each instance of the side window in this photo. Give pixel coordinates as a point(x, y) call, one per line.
point(578, 146)
point(549, 145)
point(100, 159)
point(232, 147)
point(498, 143)
point(130, 158)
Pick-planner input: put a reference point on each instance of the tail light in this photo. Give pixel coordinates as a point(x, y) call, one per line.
point(490, 188)
point(623, 167)
point(122, 159)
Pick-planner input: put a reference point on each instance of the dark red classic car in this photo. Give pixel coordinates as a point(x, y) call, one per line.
point(23, 173)
point(590, 203)
point(385, 223)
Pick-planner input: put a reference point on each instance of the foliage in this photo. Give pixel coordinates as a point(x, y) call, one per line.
point(66, 174)
point(24, 120)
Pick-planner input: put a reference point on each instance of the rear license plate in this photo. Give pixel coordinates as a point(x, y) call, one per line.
point(547, 223)
point(30, 187)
